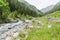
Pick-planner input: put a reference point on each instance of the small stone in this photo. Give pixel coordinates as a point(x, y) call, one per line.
point(39, 22)
point(15, 34)
point(27, 21)
point(49, 26)
point(34, 19)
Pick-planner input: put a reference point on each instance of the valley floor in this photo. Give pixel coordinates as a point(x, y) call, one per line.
point(40, 28)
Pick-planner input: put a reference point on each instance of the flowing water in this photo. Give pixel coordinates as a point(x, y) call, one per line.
point(11, 28)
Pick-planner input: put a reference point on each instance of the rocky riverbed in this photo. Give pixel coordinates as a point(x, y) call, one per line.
point(10, 30)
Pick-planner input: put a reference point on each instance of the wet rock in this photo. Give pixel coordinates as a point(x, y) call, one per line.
point(14, 21)
point(9, 28)
point(27, 21)
point(34, 19)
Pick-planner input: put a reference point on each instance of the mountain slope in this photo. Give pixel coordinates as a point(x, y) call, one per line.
point(23, 7)
point(44, 10)
point(55, 8)
point(30, 6)
point(51, 9)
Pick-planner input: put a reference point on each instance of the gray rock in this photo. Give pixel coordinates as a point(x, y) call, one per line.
point(51, 19)
point(27, 21)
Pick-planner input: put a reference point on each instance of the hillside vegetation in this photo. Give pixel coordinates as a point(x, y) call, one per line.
point(4, 10)
point(14, 9)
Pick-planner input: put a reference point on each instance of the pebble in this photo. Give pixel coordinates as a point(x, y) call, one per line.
point(27, 21)
point(15, 34)
point(49, 26)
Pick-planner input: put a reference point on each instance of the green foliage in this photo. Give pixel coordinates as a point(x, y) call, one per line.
point(22, 8)
point(4, 10)
point(13, 9)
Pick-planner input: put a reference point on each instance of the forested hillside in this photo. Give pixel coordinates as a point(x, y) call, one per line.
point(17, 9)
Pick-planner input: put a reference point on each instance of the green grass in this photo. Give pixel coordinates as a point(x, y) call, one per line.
point(45, 33)
point(42, 31)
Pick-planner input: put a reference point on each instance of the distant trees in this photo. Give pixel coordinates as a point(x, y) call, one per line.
point(21, 8)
